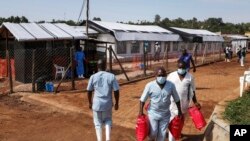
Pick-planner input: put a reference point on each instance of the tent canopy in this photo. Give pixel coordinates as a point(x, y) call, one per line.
point(45, 31)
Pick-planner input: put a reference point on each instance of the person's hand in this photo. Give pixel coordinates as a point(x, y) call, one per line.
point(197, 105)
point(116, 106)
point(90, 105)
point(141, 114)
point(194, 69)
point(180, 114)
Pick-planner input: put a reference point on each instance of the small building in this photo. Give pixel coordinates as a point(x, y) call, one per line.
point(128, 39)
point(237, 40)
point(203, 41)
point(42, 45)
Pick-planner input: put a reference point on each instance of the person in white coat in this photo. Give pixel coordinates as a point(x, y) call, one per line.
point(185, 87)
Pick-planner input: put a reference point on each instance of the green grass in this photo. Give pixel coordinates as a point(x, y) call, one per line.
point(238, 110)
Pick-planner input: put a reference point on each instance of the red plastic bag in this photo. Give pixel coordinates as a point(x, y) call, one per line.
point(197, 117)
point(175, 126)
point(142, 127)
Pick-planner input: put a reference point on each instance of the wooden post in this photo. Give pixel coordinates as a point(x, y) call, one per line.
point(87, 19)
point(119, 64)
point(72, 68)
point(33, 70)
point(195, 52)
point(144, 61)
point(9, 63)
point(110, 58)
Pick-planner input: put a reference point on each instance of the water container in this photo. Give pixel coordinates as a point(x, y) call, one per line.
point(197, 117)
point(142, 127)
point(49, 87)
point(175, 126)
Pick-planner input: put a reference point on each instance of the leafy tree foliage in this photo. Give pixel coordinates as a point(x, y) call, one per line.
point(211, 24)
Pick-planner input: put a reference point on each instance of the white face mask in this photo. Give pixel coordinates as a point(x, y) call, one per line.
point(161, 79)
point(181, 71)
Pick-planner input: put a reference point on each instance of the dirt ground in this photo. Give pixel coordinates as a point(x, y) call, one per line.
point(31, 117)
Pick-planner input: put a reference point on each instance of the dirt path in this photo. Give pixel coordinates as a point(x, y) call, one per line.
point(22, 121)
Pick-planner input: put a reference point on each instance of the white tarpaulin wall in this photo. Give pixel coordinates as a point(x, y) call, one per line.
point(46, 31)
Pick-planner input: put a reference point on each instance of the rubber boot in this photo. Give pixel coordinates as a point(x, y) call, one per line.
point(108, 132)
point(99, 134)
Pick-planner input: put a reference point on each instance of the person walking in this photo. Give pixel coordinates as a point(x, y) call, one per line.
point(159, 91)
point(238, 52)
point(187, 58)
point(185, 86)
point(243, 56)
point(79, 58)
point(102, 83)
point(157, 52)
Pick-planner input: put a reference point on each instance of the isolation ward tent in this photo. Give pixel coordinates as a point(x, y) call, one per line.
point(35, 48)
point(129, 39)
point(200, 42)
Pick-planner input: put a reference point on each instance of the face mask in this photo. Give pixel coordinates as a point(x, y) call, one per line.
point(181, 71)
point(161, 80)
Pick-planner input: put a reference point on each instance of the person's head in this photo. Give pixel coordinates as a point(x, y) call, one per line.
point(182, 68)
point(184, 51)
point(156, 43)
point(101, 65)
point(160, 74)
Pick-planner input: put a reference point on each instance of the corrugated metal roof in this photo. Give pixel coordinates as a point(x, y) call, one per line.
point(82, 29)
point(237, 37)
point(136, 36)
point(195, 31)
point(206, 35)
point(19, 32)
point(45, 31)
point(36, 31)
point(128, 27)
point(126, 32)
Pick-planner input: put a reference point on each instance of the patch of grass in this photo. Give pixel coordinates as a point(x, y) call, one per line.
point(238, 110)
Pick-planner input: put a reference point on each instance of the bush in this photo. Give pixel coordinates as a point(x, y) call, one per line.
point(237, 111)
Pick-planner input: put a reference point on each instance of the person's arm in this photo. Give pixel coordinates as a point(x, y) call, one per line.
point(90, 99)
point(116, 95)
point(177, 100)
point(144, 98)
point(196, 103)
point(90, 89)
point(141, 108)
point(178, 104)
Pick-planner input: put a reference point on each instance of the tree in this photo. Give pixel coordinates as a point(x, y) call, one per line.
point(97, 19)
point(157, 19)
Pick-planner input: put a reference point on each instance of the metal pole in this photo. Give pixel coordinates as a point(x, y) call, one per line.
point(144, 61)
point(72, 69)
point(33, 70)
point(87, 18)
point(119, 64)
point(110, 58)
point(9, 63)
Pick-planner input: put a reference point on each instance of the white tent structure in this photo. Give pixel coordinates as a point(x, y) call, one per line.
point(41, 32)
point(129, 39)
point(237, 40)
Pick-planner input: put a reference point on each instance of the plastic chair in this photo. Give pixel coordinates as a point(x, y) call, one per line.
point(244, 81)
point(59, 71)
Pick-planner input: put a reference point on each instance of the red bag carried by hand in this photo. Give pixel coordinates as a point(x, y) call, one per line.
point(142, 127)
point(197, 117)
point(175, 126)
